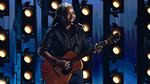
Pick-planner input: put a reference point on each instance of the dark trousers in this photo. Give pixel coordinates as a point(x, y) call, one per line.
point(76, 78)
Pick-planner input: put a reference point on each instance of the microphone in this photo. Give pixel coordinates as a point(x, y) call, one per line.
point(77, 23)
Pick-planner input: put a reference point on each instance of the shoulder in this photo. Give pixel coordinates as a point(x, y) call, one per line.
point(52, 29)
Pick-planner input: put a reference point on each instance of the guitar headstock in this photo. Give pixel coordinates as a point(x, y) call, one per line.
point(110, 40)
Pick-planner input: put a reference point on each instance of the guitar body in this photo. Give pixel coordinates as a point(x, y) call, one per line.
point(53, 74)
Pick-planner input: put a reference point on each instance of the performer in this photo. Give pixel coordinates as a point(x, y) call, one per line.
point(63, 36)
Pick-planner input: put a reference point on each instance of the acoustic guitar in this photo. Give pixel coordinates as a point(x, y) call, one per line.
point(54, 74)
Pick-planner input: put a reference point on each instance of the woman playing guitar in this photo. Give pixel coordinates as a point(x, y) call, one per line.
point(61, 44)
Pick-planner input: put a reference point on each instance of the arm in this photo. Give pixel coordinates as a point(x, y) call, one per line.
point(43, 50)
point(47, 56)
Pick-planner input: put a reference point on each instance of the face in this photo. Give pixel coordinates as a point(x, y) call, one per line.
point(69, 15)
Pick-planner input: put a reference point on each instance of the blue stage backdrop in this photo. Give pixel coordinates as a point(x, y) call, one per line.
point(127, 65)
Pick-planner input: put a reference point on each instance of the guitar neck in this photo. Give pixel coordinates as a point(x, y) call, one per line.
point(98, 47)
point(90, 50)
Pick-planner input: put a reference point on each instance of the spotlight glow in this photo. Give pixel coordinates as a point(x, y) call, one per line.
point(116, 32)
point(28, 29)
point(148, 10)
point(3, 53)
point(2, 6)
point(116, 50)
point(28, 75)
point(85, 58)
point(85, 11)
point(86, 74)
point(86, 28)
point(148, 72)
point(28, 12)
point(148, 26)
point(116, 79)
point(27, 59)
point(2, 37)
point(3, 81)
point(148, 56)
point(54, 5)
point(116, 4)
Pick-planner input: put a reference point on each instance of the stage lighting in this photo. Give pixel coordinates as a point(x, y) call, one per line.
point(87, 77)
point(86, 74)
point(28, 29)
point(116, 3)
point(85, 10)
point(148, 56)
point(148, 72)
point(4, 7)
point(117, 46)
point(116, 79)
point(116, 53)
point(116, 50)
point(117, 6)
point(28, 75)
point(28, 21)
point(27, 9)
point(4, 45)
point(85, 58)
point(146, 22)
point(3, 81)
point(27, 58)
point(2, 36)
point(148, 9)
point(148, 26)
point(86, 28)
point(28, 12)
point(3, 53)
point(27, 66)
point(85, 16)
point(54, 5)
point(116, 31)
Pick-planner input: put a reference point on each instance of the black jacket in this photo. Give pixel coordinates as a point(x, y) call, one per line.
point(57, 41)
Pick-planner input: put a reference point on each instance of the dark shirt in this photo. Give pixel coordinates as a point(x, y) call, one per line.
point(57, 41)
